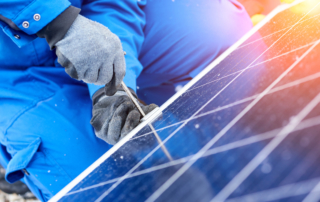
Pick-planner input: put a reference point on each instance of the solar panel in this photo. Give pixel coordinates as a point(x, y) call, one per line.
point(245, 129)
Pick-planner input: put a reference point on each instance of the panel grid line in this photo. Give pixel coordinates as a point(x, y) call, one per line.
point(314, 195)
point(285, 191)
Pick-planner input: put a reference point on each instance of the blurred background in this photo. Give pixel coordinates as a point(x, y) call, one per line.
point(17, 192)
point(258, 9)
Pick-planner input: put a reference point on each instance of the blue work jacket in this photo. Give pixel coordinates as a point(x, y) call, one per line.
point(127, 24)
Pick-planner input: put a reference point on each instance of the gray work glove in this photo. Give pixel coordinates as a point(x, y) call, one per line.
point(113, 117)
point(91, 52)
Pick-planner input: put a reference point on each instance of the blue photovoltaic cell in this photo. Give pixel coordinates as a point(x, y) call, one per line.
point(248, 130)
point(86, 194)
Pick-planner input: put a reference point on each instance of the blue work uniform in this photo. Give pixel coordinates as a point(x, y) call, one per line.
point(45, 132)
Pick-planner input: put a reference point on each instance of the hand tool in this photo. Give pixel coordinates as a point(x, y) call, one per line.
point(135, 102)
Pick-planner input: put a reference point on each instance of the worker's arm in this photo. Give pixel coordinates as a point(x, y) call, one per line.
point(126, 19)
point(113, 117)
point(88, 50)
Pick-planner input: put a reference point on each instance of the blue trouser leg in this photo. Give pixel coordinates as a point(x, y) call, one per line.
point(182, 38)
point(52, 137)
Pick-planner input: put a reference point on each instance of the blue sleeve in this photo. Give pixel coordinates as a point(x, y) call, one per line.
point(126, 19)
point(22, 12)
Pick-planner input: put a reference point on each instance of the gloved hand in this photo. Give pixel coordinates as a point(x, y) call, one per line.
point(91, 52)
point(88, 50)
point(113, 117)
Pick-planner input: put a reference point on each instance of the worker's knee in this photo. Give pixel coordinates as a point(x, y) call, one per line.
point(224, 19)
point(183, 37)
point(50, 141)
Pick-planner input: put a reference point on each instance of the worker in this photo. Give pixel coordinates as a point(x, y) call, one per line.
point(61, 65)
